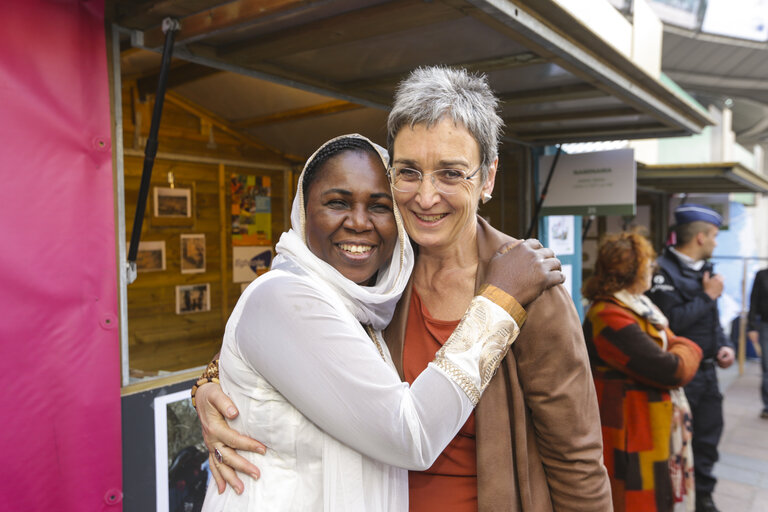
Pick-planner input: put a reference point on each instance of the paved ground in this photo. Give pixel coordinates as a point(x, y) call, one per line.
point(743, 467)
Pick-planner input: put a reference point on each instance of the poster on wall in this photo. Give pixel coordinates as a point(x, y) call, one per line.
point(251, 210)
point(192, 254)
point(561, 234)
point(193, 298)
point(181, 459)
point(248, 263)
point(151, 256)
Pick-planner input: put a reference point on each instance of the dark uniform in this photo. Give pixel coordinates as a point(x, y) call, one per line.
point(758, 321)
point(678, 292)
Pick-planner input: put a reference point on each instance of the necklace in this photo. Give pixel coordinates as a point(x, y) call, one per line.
point(375, 339)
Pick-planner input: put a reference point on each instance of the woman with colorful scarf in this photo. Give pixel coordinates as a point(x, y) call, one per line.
point(639, 367)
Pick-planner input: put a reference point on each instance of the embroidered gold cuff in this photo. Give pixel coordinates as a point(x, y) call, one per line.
point(474, 351)
point(461, 379)
point(505, 300)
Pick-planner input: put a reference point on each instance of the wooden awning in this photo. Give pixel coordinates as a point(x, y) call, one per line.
point(558, 80)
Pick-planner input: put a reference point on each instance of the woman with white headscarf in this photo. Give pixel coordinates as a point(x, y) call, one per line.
point(303, 360)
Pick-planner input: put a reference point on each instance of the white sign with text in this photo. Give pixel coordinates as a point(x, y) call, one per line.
point(599, 183)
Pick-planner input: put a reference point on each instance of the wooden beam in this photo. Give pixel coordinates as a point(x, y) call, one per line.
point(223, 125)
point(127, 51)
point(555, 116)
point(478, 66)
point(344, 28)
point(318, 110)
point(310, 82)
point(177, 76)
point(603, 132)
point(140, 14)
point(225, 17)
point(559, 93)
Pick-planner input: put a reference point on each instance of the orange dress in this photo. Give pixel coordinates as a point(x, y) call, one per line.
point(450, 485)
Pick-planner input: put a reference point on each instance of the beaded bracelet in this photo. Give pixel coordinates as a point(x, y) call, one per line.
point(210, 374)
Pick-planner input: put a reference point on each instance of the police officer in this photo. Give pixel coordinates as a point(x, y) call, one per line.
point(686, 290)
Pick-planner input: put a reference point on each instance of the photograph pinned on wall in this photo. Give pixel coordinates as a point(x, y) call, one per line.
point(192, 254)
point(193, 298)
point(172, 202)
point(561, 234)
point(150, 256)
point(181, 458)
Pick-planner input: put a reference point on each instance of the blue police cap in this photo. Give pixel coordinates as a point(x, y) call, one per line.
point(686, 213)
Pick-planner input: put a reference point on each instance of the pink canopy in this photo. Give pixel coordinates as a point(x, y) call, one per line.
point(60, 363)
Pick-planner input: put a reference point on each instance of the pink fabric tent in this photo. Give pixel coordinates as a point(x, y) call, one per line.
point(60, 364)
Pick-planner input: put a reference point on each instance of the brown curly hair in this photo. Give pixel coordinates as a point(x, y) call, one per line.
point(621, 263)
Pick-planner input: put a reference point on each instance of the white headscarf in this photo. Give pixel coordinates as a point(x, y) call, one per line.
point(371, 305)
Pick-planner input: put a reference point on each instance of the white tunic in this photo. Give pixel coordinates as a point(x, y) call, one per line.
point(300, 369)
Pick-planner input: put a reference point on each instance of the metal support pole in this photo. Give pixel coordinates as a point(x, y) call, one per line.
point(742, 348)
point(544, 190)
point(170, 27)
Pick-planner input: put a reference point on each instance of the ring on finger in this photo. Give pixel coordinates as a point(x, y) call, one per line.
point(217, 455)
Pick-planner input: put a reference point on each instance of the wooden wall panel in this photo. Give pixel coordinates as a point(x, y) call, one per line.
point(159, 339)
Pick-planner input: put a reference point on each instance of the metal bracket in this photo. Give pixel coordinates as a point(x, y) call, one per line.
point(130, 272)
point(170, 24)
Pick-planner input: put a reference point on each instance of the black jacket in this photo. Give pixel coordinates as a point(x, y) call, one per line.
point(678, 292)
point(758, 302)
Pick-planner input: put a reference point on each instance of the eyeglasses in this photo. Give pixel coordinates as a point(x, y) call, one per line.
point(446, 181)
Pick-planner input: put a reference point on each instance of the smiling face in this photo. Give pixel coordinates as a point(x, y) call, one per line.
point(350, 224)
point(434, 220)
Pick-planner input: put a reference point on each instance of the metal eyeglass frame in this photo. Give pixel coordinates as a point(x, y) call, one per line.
point(432, 177)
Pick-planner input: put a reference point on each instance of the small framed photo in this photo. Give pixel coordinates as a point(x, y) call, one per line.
point(193, 298)
point(192, 254)
point(173, 206)
point(172, 202)
point(151, 256)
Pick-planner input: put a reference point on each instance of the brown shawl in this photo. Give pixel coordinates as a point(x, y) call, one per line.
point(539, 445)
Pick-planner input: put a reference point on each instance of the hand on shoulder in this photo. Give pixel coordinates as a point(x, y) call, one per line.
point(524, 270)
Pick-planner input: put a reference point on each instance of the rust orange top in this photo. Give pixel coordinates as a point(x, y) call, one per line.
point(450, 485)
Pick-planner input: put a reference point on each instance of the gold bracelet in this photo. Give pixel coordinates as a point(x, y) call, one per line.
point(210, 374)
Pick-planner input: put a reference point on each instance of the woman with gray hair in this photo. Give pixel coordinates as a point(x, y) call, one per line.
point(533, 442)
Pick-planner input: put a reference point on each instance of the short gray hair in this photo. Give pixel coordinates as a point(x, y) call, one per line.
point(431, 93)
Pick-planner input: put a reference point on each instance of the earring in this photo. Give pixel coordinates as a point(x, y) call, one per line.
point(486, 197)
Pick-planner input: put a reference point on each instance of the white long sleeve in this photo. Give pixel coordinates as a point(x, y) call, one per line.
point(321, 360)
